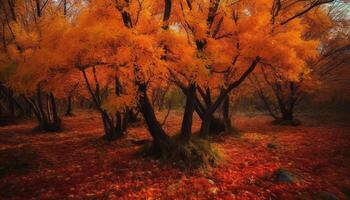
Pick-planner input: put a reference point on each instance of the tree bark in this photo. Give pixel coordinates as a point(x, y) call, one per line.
point(166, 14)
point(113, 127)
point(132, 115)
point(287, 115)
point(162, 144)
point(186, 128)
point(40, 106)
point(38, 8)
point(69, 106)
point(48, 118)
point(147, 111)
point(205, 126)
point(55, 116)
point(226, 114)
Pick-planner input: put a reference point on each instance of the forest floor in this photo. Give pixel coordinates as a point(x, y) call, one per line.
point(77, 164)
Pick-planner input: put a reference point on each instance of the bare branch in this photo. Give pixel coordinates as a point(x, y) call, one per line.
point(313, 5)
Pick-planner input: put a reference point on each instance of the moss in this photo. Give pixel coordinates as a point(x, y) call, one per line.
point(194, 154)
point(197, 153)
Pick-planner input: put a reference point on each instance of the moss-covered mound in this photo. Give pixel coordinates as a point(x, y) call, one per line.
point(194, 154)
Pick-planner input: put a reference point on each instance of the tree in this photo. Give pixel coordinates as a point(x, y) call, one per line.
point(280, 94)
point(124, 49)
point(34, 34)
point(236, 32)
point(10, 105)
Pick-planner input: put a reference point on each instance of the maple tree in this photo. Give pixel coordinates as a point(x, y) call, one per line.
point(105, 64)
point(32, 36)
point(231, 36)
point(281, 94)
point(123, 50)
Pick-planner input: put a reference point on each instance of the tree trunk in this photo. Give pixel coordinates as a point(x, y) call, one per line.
point(112, 131)
point(287, 115)
point(226, 114)
point(131, 115)
point(64, 7)
point(125, 119)
point(48, 108)
point(186, 128)
point(69, 107)
point(33, 107)
point(2, 108)
point(205, 126)
point(48, 120)
point(40, 107)
point(161, 141)
point(267, 104)
point(55, 117)
point(113, 127)
point(118, 124)
point(147, 111)
point(11, 103)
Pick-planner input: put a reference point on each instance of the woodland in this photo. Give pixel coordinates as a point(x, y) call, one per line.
point(175, 99)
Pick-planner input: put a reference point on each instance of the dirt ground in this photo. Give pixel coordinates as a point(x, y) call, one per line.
point(77, 164)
